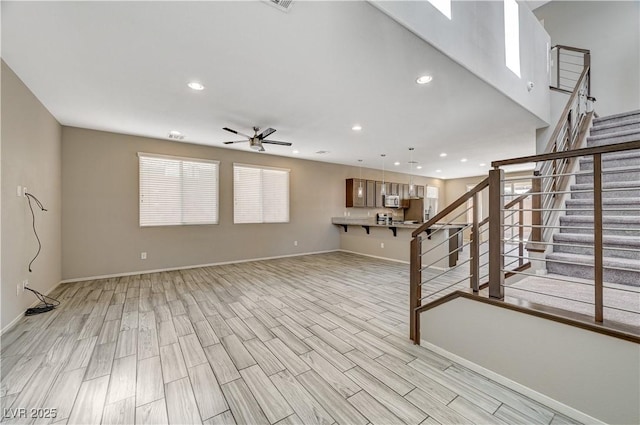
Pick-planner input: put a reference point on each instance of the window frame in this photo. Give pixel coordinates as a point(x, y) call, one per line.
point(262, 168)
point(181, 160)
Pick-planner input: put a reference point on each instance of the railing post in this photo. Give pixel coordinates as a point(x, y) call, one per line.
point(597, 236)
point(520, 233)
point(496, 231)
point(558, 67)
point(475, 246)
point(415, 289)
point(536, 206)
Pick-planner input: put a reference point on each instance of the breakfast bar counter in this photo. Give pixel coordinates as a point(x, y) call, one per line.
point(392, 240)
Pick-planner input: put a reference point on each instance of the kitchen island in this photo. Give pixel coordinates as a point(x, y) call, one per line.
point(392, 240)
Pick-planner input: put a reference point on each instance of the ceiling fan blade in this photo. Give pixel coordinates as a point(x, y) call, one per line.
point(236, 132)
point(276, 142)
point(235, 141)
point(266, 133)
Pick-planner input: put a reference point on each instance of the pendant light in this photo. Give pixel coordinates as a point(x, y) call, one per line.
point(412, 188)
point(383, 190)
point(360, 189)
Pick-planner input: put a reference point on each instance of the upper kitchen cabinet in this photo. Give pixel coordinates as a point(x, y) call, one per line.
point(371, 194)
point(379, 200)
point(356, 193)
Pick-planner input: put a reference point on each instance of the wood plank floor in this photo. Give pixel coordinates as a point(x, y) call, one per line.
point(317, 339)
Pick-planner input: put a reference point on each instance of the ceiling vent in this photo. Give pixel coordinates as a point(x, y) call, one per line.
point(174, 135)
point(283, 5)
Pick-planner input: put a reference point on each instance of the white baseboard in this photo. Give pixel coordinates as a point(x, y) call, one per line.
point(373, 256)
point(195, 266)
point(20, 316)
point(526, 391)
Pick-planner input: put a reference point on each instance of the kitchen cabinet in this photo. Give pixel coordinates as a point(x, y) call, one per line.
point(371, 194)
point(352, 198)
point(404, 192)
point(379, 203)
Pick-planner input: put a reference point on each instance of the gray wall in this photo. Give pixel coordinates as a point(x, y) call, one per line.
point(611, 30)
point(100, 201)
point(31, 149)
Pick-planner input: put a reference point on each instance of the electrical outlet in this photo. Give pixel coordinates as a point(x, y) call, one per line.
point(18, 289)
point(143, 255)
point(19, 191)
point(295, 243)
point(24, 191)
point(25, 284)
point(381, 244)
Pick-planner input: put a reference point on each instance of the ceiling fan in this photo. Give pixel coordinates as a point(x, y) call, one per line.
point(257, 140)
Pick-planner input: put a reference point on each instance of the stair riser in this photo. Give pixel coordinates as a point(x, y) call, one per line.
point(588, 250)
point(610, 231)
point(631, 193)
point(623, 126)
point(627, 176)
point(586, 164)
point(608, 211)
point(591, 142)
point(586, 272)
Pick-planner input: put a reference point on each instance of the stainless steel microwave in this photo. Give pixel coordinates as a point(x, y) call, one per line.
point(392, 201)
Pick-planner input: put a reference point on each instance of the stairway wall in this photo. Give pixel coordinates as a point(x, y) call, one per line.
point(610, 30)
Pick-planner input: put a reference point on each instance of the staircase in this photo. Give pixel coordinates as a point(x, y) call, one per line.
point(573, 254)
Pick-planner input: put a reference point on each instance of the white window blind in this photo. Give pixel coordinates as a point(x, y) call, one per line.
point(177, 191)
point(261, 195)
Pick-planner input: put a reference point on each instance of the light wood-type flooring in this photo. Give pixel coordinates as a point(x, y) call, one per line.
point(317, 339)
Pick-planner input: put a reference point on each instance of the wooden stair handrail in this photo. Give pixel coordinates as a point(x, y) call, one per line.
point(615, 147)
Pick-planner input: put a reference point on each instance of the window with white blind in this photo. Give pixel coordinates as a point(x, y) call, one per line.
point(177, 191)
point(260, 194)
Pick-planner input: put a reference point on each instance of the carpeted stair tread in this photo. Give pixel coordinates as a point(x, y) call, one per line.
point(631, 241)
point(612, 225)
point(616, 117)
point(612, 127)
point(616, 137)
point(610, 206)
point(588, 260)
point(612, 160)
point(614, 246)
point(621, 189)
point(612, 174)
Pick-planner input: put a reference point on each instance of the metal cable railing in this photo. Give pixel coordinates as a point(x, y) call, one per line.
point(588, 269)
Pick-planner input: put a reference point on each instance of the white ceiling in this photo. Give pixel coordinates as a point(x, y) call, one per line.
point(311, 73)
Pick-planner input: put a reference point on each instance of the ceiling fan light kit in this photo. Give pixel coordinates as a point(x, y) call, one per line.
point(256, 141)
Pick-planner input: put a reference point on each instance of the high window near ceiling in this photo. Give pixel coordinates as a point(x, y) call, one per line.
point(260, 194)
point(512, 35)
point(444, 6)
point(177, 191)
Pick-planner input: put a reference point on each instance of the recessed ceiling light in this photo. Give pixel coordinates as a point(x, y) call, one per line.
point(419, 167)
point(295, 151)
point(442, 155)
point(424, 79)
point(483, 164)
point(463, 160)
point(194, 85)
point(396, 163)
point(356, 127)
point(438, 171)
